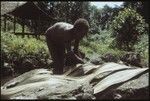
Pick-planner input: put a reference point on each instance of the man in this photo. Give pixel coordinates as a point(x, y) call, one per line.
point(59, 38)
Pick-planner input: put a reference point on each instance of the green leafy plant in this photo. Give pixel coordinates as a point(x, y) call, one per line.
point(127, 28)
point(16, 50)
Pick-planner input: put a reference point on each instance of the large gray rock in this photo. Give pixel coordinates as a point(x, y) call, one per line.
point(86, 81)
point(6, 70)
point(137, 88)
point(132, 58)
point(40, 84)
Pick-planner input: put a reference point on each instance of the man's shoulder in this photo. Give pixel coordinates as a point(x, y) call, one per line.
point(63, 25)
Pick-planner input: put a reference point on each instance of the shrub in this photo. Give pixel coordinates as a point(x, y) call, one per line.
point(99, 44)
point(15, 50)
point(127, 28)
point(142, 47)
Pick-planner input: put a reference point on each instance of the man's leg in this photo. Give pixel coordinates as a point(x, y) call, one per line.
point(59, 60)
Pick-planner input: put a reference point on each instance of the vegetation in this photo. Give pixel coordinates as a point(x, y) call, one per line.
point(104, 23)
point(127, 28)
point(17, 51)
point(99, 44)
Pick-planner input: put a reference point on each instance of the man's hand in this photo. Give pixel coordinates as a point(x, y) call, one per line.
point(79, 54)
point(78, 59)
point(74, 57)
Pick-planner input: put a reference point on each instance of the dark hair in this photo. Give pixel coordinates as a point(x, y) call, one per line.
point(81, 24)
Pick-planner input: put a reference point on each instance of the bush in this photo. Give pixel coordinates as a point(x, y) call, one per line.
point(94, 28)
point(142, 47)
point(127, 28)
point(99, 44)
point(16, 50)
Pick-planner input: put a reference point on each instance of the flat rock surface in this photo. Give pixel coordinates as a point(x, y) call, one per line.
point(86, 81)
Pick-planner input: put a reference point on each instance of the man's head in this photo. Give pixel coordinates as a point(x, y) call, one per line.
point(81, 27)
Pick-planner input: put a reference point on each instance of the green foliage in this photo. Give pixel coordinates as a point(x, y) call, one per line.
point(142, 7)
point(94, 27)
point(99, 44)
point(94, 19)
point(69, 11)
point(127, 28)
point(16, 48)
point(102, 36)
point(142, 46)
point(90, 48)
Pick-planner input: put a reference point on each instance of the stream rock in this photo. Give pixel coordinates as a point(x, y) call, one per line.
point(84, 81)
point(132, 59)
point(40, 84)
point(136, 88)
point(97, 61)
point(109, 57)
point(7, 70)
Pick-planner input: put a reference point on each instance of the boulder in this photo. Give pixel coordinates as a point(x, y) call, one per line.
point(84, 81)
point(40, 84)
point(109, 57)
point(97, 61)
point(7, 70)
point(136, 88)
point(132, 58)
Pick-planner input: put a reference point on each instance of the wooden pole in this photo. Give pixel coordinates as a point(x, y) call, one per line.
point(39, 27)
point(36, 29)
point(14, 24)
point(23, 27)
point(4, 23)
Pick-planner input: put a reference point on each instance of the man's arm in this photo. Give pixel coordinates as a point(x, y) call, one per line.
point(68, 47)
point(75, 53)
point(76, 46)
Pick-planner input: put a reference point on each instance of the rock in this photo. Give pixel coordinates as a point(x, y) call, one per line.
point(40, 84)
point(132, 59)
point(7, 70)
point(81, 70)
point(97, 61)
point(119, 77)
point(49, 61)
point(136, 88)
point(27, 65)
point(117, 96)
point(84, 81)
point(109, 57)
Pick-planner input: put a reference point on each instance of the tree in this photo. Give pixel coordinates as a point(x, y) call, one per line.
point(67, 11)
point(105, 16)
point(127, 27)
point(142, 7)
point(94, 19)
